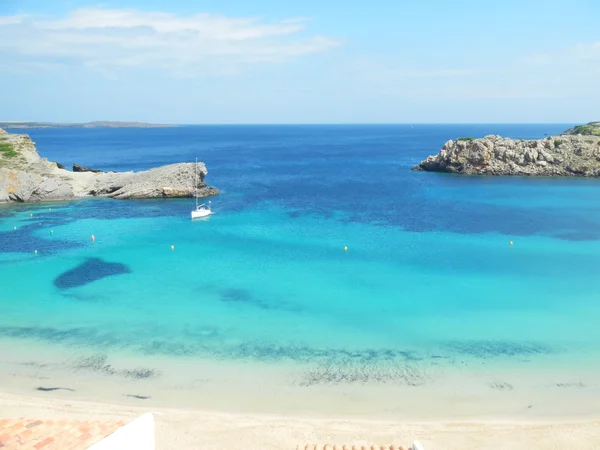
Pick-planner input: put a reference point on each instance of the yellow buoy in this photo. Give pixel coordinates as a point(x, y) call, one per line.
point(511, 243)
point(172, 247)
point(345, 248)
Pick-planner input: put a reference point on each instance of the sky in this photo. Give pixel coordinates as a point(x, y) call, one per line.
point(309, 61)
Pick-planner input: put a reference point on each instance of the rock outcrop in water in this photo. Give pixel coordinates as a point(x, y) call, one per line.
point(26, 177)
point(79, 168)
point(572, 155)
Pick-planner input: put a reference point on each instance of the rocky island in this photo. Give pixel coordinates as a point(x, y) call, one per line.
point(26, 177)
point(575, 153)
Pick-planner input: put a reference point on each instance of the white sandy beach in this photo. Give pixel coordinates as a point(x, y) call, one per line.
point(225, 405)
point(543, 393)
point(194, 429)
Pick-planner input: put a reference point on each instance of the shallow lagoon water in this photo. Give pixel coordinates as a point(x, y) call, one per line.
point(429, 278)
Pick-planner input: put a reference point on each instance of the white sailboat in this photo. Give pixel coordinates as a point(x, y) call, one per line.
point(202, 210)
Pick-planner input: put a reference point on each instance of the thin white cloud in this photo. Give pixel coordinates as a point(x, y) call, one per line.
point(11, 20)
point(579, 53)
point(373, 71)
point(437, 73)
point(569, 72)
point(113, 39)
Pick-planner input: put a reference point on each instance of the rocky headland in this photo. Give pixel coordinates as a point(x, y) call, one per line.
point(26, 177)
point(575, 153)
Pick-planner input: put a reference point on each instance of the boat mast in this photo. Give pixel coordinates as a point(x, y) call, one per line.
point(196, 182)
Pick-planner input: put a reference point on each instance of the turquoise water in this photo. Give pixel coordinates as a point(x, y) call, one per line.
point(429, 274)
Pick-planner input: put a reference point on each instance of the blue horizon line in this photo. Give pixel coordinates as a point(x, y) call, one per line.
point(291, 124)
point(371, 123)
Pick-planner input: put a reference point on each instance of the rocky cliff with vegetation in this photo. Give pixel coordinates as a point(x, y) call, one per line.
point(26, 177)
point(591, 129)
point(576, 153)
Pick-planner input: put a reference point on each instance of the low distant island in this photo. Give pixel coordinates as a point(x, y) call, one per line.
point(96, 124)
point(26, 177)
point(575, 153)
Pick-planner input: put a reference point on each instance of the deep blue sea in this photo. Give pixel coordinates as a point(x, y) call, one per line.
point(429, 272)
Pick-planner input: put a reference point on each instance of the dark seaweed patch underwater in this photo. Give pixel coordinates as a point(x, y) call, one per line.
point(92, 269)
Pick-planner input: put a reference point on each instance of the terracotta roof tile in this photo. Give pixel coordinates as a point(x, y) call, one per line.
point(36, 434)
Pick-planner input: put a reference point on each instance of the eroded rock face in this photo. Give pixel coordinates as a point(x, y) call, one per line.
point(78, 168)
point(36, 188)
point(25, 177)
point(175, 180)
point(566, 155)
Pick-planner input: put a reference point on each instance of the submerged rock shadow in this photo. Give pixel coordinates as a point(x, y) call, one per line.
point(246, 297)
point(483, 349)
point(138, 397)
point(52, 389)
point(92, 269)
point(24, 240)
point(98, 364)
point(395, 371)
